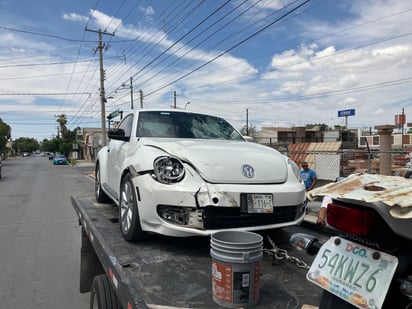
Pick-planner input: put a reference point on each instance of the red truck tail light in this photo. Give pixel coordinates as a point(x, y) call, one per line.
point(356, 221)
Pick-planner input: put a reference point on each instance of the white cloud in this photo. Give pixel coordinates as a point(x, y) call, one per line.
point(75, 17)
point(379, 111)
point(104, 21)
point(148, 11)
point(272, 4)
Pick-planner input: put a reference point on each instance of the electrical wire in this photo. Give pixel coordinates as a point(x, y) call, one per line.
point(152, 66)
point(228, 50)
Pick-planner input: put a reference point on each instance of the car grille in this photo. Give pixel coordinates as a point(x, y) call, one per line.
point(227, 217)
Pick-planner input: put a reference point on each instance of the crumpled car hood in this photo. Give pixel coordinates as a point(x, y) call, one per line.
point(223, 161)
point(393, 191)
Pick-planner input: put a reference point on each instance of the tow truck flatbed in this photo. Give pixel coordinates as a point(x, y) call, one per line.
point(166, 272)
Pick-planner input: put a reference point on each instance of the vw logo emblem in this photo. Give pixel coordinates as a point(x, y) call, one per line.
point(248, 171)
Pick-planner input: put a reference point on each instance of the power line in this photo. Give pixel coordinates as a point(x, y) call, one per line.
point(289, 98)
point(44, 64)
point(162, 36)
point(40, 34)
point(230, 49)
point(42, 93)
point(197, 45)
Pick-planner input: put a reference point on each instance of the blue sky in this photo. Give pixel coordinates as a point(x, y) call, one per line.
point(289, 63)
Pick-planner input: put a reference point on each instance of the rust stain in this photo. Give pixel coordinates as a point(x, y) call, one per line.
point(390, 190)
point(374, 188)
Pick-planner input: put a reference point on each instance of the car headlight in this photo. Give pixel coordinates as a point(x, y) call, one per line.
point(296, 170)
point(168, 170)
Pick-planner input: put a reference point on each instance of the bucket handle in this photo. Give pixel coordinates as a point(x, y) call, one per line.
point(246, 257)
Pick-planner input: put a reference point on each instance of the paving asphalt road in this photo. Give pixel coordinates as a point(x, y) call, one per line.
point(40, 235)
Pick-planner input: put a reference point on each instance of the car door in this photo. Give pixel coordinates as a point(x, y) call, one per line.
point(116, 155)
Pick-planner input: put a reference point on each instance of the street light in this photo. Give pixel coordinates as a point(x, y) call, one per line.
point(187, 104)
point(106, 98)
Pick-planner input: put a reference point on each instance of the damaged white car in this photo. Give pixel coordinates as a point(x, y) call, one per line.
point(180, 173)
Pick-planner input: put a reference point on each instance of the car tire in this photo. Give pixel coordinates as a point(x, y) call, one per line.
point(101, 196)
point(102, 295)
point(128, 212)
point(408, 174)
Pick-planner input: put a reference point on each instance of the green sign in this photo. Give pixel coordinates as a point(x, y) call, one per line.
point(113, 114)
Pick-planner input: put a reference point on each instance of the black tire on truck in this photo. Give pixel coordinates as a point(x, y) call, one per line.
point(102, 295)
point(101, 197)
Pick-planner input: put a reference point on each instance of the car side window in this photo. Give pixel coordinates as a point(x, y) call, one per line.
point(126, 125)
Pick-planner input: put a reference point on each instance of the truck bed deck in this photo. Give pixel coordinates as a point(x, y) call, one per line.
point(166, 272)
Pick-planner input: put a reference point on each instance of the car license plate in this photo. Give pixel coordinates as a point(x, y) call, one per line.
point(355, 273)
point(259, 203)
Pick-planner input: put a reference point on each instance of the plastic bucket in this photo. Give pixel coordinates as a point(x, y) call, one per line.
point(236, 261)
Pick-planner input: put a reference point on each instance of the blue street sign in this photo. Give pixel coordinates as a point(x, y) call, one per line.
point(346, 112)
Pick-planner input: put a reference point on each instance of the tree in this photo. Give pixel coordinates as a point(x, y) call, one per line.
point(62, 121)
point(25, 144)
point(65, 148)
point(250, 131)
point(5, 134)
point(60, 145)
point(52, 145)
point(322, 126)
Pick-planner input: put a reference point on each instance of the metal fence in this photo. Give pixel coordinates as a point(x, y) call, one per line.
point(375, 162)
point(344, 162)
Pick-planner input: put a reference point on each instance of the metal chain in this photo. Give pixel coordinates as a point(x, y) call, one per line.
point(279, 254)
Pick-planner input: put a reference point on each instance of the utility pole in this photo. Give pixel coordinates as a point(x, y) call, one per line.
point(174, 99)
point(247, 122)
point(131, 91)
point(141, 98)
point(100, 47)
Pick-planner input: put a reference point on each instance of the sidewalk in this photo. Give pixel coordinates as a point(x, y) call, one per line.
point(84, 163)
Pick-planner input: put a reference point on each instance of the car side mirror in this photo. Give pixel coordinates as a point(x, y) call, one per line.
point(118, 134)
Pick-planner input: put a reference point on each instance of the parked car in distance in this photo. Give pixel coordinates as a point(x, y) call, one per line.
point(181, 173)
point(60, 159)
point(0, 166)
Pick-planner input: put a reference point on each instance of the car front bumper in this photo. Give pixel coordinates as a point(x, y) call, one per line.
point(195, 207)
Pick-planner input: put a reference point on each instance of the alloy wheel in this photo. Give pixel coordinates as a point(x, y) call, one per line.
point(126, 206)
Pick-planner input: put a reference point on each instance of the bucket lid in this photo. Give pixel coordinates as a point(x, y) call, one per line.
point(236, 246)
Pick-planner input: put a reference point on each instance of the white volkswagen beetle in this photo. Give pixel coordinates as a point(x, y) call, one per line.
point(180, 173)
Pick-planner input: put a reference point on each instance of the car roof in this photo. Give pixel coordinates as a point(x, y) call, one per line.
point(173, 110)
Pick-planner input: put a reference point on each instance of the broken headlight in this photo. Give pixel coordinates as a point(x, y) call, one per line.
point(168, 170)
